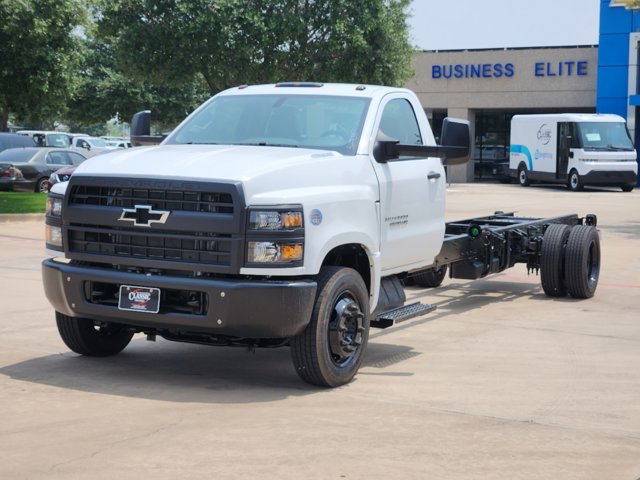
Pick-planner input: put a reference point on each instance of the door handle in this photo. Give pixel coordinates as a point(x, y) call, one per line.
point(433, 176)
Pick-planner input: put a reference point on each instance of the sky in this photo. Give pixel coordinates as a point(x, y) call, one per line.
point(473, 24)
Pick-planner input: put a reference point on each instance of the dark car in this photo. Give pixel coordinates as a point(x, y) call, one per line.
point(13, 140)
point(36, 165)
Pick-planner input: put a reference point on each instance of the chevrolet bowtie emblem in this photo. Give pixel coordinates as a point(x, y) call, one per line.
point(143, 215)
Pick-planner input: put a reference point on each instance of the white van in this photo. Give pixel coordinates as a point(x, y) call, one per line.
point(45, 138)
point(575, 149)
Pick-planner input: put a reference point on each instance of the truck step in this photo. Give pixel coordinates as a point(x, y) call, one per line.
point(400, 314)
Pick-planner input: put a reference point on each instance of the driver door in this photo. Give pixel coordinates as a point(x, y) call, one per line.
point(412, 191)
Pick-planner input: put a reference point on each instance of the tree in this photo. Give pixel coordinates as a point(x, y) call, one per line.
point(231, 42)
point(39, 47)
point(105, 92)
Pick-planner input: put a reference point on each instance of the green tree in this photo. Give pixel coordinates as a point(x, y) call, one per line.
point(231, 42)
point(104, 92)
point(39, 48)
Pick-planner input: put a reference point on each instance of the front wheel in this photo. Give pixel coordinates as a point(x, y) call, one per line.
point(330, 350)
point(85, 337)
point(42, 185)
point(575, 183)
point(627, 188)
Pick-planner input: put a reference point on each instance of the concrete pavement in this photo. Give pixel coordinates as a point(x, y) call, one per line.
point(500, 382)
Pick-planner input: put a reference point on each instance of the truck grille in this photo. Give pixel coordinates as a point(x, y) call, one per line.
point(204, 230)
point(197, 248)
point(209, 202)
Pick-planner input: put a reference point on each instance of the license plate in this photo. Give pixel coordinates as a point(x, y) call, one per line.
point(139, 299)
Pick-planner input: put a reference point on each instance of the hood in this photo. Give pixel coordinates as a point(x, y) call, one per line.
point(267, 174)
point(202, 162)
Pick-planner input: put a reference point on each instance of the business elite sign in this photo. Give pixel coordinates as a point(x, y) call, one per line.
point(569, 68)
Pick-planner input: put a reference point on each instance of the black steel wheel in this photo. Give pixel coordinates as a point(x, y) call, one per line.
point(85, 337)
point(329, 351)
point(429, 278)
point(582, 261)
point(575, 183)
point(523, 176)
point(552, 259)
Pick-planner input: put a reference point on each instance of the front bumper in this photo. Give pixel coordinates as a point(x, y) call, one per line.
point(232, 307)
point(610, 177)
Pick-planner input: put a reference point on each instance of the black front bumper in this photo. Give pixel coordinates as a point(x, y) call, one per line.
point(610, 178)
point(233, 307)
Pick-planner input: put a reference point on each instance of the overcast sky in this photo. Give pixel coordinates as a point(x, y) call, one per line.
point(469, 24)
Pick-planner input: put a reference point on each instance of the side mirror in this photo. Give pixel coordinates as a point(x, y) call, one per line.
point(141, 130)
point(384, 148)
point(141, 124)
point(456, 140)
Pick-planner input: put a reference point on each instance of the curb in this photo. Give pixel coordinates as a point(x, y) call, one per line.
point(21, 217)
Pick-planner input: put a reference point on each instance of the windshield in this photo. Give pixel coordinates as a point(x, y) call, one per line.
point(58, 140)
point(97, 142)
point(309, 121)
point(604, 136)
point(18, 155)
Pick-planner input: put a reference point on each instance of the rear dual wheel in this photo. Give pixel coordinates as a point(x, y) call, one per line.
point(570, 261)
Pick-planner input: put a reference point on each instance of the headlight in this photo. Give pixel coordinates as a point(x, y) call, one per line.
point(53, 236)
point(275, 236)
point(273, 220)
point(54, 206)
point(274, 252)
point(53, 222)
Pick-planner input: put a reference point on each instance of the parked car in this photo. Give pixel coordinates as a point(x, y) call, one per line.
point(8, 176)
point(90, 145)
point(61, 175)
point(36, 164)
point(119, 143)
point(13, 140)
point(45, 138)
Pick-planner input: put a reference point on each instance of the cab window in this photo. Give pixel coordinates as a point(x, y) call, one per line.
point(399, 121)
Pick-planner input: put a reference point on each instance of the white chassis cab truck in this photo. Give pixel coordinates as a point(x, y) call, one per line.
point(283, 215)
point(575, 149)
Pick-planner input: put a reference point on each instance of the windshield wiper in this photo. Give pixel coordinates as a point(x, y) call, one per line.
point(268, 144)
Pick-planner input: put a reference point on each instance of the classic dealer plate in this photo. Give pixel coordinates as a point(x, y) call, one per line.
point(139, 299)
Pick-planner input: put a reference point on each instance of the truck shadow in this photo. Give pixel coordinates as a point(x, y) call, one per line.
point(184, 373)
point(176, 372)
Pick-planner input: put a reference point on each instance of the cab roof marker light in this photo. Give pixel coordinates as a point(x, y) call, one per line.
point(300, 84)
point(360, 88)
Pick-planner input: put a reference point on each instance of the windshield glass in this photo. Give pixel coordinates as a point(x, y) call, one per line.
point(17, 155)
point(97, 142)
point(58, 140)
point(604, 136)
point(309, 121)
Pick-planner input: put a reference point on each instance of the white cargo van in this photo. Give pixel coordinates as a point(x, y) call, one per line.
point(575, 149)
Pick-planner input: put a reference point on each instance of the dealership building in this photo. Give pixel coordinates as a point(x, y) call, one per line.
point(488, 87)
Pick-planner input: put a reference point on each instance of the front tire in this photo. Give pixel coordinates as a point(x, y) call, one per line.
point(330, 350)
point(575, 183)
point(83, 336)
point(627, 188)
point(42, 185)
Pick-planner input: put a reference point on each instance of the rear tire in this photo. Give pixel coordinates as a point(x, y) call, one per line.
point(83, 336)
point(552, 260)
point(582, 261)
point(523, 176)
point(627, 188)
point(575, 183)
point(429, 278)
point(330, 350)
